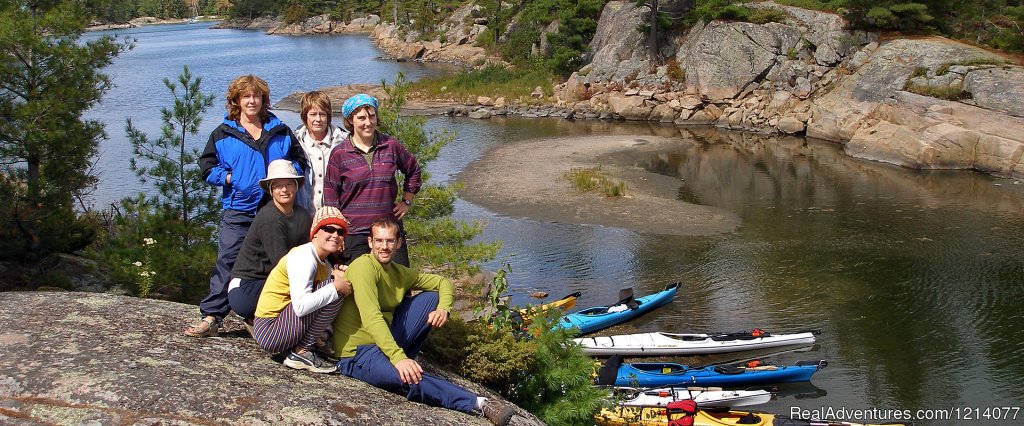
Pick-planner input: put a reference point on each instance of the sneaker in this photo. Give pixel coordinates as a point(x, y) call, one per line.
point(309, 360)
point(498, 413)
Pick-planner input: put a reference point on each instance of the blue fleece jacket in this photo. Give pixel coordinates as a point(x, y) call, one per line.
point(232, 150)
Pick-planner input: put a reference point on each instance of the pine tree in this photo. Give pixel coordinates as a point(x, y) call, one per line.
point(48, 78)
point(438, 242)
point(171, 163)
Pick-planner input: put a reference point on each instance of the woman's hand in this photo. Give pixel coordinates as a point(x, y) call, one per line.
point(437, 318)
point(409, 371)
point(341, 284)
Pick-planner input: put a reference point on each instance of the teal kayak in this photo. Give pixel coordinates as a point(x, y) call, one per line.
point(600, 317)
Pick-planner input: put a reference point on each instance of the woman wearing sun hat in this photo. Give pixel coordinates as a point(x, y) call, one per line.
point(236, 158)
point(302, 296)
point(361, 177)
point(278, 227)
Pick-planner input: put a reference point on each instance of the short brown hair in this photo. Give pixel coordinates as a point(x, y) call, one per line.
point(241, 85)
point(386, 223)
point(318, 99)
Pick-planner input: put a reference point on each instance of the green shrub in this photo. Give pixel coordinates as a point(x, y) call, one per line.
point(541, 370)
point(296, 12)
point(825, 6)
point(141, 248)
point(493, 81)
point(674, 71)
point(766, 15)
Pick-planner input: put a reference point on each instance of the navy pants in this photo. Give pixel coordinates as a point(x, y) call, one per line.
point(410, 330)
point(244, 298)
point(234, 225)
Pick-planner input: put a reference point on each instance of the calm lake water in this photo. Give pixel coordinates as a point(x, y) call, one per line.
point(914, 278)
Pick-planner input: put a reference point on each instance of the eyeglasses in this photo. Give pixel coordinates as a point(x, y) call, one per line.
point(332, 230)
point(389, 242)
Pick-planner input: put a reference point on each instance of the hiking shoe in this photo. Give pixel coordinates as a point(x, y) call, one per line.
point(498, 413)
point(309, 360)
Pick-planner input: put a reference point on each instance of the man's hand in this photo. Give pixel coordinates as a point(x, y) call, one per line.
point(437, 318)
point(409, 371)
point(341, 284)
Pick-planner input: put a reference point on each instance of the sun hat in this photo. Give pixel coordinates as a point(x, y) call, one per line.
point(355, 102)
point(328, 215)
point(279, 169)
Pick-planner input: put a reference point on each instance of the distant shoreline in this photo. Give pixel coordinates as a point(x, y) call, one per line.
point(146, 21)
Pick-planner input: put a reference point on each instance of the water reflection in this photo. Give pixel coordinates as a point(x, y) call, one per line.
point(913, 276)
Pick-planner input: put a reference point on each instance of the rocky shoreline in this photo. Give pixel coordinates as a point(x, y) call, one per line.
point(807, 76)
point(143, 21)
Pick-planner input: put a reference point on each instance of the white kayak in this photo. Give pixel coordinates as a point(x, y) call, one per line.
point(659, 344)
point(704, 397)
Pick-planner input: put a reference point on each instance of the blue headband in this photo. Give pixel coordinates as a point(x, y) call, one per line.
point(357, 101)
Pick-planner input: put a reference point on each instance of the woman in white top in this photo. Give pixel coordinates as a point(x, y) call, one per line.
point(301, 296)
point(317, 137)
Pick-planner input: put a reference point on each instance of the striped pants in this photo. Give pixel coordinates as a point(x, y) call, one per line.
point(287, 331)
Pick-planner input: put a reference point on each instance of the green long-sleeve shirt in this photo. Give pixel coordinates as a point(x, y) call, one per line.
point(376, 292)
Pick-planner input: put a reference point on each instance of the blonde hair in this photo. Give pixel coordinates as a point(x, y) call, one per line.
point(241, 85)
point(317, 99)
point(348, 120)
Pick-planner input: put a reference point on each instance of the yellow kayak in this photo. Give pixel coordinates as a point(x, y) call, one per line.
point(661, 416)
point(565, 303)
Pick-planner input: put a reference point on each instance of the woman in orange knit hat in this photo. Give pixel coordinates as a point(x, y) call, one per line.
point(301, 296)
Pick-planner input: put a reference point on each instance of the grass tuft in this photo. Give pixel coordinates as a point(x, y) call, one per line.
point(595, 180)
point(953, 92)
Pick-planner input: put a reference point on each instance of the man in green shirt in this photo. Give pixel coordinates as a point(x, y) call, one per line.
point(381, 328)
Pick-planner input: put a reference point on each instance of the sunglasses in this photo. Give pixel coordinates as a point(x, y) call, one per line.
point(332, 230)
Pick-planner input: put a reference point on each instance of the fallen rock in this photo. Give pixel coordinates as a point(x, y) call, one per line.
point(790, 125)
point(482, 113)
point(628, 107)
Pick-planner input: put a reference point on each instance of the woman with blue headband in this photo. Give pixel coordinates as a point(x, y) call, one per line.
point(361, 177)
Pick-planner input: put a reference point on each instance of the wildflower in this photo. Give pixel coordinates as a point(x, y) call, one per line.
point(144, 274)
point(139, 264)
point(148, 241)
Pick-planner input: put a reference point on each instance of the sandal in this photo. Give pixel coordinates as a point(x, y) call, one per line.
point(248, 327)
point(207, 327)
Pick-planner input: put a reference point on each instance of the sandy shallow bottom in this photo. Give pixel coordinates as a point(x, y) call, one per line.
point(526, 179)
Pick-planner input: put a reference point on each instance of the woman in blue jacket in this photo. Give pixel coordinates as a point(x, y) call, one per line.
point(236, 159)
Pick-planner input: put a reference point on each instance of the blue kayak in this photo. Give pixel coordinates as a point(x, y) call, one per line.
point(668, 374)
point(600, 317)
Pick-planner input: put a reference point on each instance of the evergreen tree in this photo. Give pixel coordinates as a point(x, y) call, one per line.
point(48, 78)
point(439, 242)
point(171, 163)
point(162, 245)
